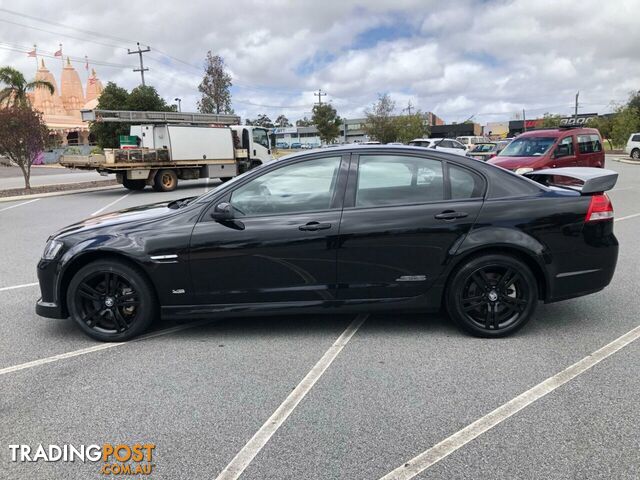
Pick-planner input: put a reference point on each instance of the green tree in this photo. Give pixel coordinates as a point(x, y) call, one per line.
point(327, 121)
point(604, 124)
point(215, 85)
point(381, 125)
point(282, 121)
point(23, 137)
point(261, 121)
point(408, 127)
point(16, 87)
point(304, 122)
point(625, 122)
point(113, 97)
point(550, 120)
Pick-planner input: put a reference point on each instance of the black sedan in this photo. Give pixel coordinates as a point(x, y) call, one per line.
point(364, 228)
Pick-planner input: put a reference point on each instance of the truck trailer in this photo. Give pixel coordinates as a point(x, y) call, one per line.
point(163, 147)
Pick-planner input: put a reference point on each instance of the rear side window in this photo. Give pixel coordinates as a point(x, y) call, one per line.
point(635, 138)
point(464, 183)
point(589, 144)
point(398, 180)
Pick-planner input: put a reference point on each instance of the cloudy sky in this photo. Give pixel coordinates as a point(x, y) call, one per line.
point(458, 59)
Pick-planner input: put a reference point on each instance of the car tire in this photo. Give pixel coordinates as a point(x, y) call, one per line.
point(165, 181)
point(111, 300)
point(635, 153)
point(134, 184)
point(492, 295)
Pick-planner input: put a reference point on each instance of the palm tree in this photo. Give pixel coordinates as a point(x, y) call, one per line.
point(15, 92)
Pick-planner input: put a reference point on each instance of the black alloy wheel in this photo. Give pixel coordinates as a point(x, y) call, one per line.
point(110, 300)
point(492, 295)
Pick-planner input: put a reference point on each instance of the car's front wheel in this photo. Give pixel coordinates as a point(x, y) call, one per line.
point(111, 301)
point(635, 154)
point(492, 295)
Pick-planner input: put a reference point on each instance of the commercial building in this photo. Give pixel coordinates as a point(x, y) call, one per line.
point(351, 131)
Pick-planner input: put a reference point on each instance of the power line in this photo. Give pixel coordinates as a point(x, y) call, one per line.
point(44, 53)
point(320, 94)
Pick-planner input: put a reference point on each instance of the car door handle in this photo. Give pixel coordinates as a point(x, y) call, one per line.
point(450, 215)
point(314, 226)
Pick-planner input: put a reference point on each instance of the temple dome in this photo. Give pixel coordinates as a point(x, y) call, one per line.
point(71, 90)
point(42, 99)
point(94, 86)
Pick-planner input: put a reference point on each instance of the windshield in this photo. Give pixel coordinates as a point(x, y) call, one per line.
point(484, 147)
point(528, 147)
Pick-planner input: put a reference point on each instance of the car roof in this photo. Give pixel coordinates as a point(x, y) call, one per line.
point(555, 132)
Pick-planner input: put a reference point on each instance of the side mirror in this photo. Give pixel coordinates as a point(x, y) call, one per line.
point(222, 211)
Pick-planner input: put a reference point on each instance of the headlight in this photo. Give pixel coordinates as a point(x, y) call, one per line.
point(522, 171)
point(52, 249)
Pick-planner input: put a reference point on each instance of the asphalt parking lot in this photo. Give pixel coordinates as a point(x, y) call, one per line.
point(392, 388)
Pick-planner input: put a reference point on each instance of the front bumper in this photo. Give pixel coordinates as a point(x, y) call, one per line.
point(49, 305)
point(49, 309)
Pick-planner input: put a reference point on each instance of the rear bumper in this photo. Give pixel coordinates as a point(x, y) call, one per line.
point(584, 270)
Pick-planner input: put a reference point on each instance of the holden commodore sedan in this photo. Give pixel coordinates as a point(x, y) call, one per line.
point(354, 228)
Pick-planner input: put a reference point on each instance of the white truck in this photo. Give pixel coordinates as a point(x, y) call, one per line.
point(175, 145)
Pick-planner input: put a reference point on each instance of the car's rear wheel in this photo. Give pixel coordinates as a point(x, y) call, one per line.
point(492, 295)
point(635, 154)
point(111, 301)
point(165, 181)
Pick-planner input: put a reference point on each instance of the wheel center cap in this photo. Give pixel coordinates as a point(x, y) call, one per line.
point(109, 302)
point(493, 295)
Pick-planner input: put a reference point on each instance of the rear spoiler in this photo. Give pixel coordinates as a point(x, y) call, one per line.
point(589, 179)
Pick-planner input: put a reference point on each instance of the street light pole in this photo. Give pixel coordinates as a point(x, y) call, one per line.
point(179, 100)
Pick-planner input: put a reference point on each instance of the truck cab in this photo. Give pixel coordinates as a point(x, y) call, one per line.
point(256, 141)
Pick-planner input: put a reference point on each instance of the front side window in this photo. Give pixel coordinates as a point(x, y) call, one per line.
point(565, 147)
point(260, 137)
point(398, 180)
point(301, 187)
point(528, 147)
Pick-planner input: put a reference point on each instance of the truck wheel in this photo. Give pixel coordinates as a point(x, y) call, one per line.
point(134, 184)
point(165, 181)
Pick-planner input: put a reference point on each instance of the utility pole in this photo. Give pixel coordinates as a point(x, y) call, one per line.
point(408, 109)
point(140, 52)
point(524, 121)
point(320, 94)
point(576, 113)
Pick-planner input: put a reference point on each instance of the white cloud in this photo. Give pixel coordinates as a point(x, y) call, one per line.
point(483, 58)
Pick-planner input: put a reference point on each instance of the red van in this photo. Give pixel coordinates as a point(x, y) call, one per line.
point(551, 148)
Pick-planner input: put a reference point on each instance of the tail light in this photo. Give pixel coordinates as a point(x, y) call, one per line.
point(600, 208)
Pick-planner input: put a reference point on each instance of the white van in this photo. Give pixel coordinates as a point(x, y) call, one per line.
point(469, 142)
point(633, 146)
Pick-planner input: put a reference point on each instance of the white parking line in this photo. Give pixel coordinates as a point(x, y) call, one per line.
point(450, 444)
point(13, 287)
point(19, 204)
point(110, 204)
point(627, 217)
point(244, 457)
point(97, 348)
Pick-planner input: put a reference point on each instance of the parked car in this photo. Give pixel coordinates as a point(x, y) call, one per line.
point(470, 141)
point(296, 145)
point(552, 148)
point(483, 151)
point(441, 144)
point(354, 228)
point(282, 145)
point(633, 146)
